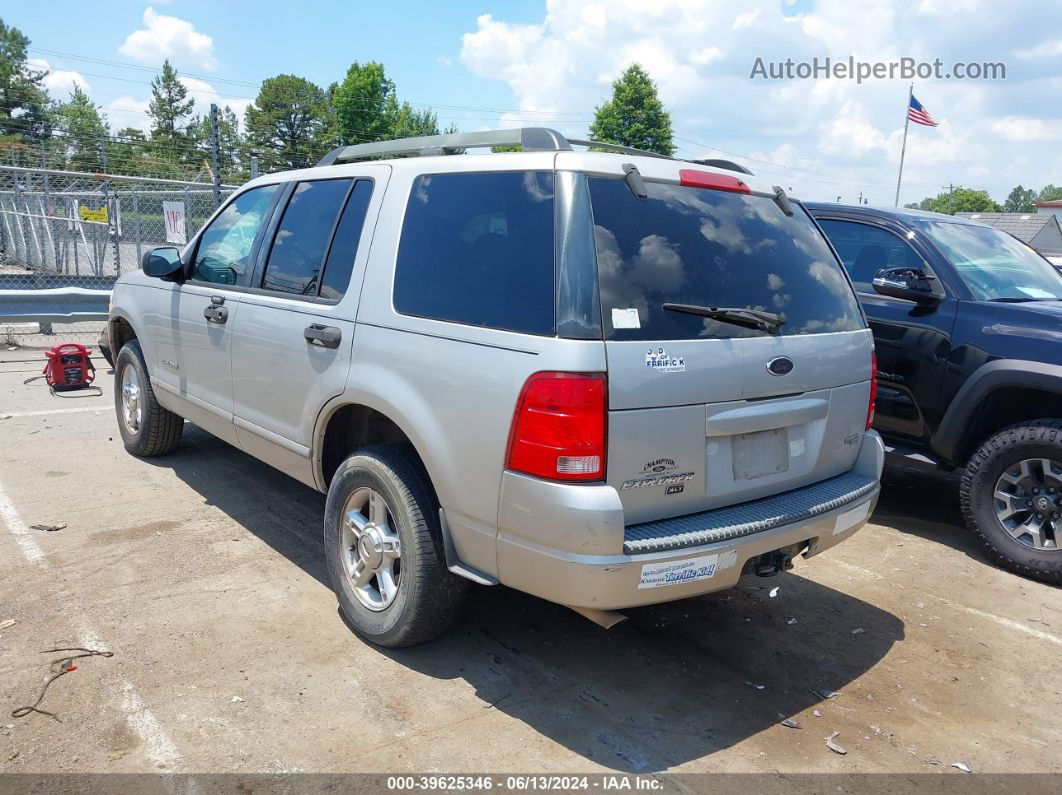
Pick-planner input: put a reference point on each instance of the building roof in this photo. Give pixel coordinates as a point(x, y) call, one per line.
point(1024, 226)
point(1052, 203)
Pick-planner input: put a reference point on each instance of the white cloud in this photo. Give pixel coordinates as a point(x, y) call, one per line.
point(59, 83)
point(169, 37)
point(1045, 49)
point(128, 112)
point(822, 137)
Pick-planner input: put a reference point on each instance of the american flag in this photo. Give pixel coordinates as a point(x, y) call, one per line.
point(918, 114)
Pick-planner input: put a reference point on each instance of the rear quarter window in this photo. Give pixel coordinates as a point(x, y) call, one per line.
point(477, 249)
point(716, 249)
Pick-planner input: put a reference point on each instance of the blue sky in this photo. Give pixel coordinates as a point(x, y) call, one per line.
point(481, 64)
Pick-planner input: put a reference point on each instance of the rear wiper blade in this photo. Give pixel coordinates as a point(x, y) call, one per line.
point(739, 316)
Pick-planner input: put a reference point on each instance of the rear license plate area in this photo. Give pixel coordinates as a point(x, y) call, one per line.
point(756, 455)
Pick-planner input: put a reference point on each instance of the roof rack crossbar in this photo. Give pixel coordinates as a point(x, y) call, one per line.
point(530, 139)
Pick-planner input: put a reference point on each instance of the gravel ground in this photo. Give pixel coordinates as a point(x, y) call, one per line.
point(203, 573)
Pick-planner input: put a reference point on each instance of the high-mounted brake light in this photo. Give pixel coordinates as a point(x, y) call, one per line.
point(558, 429)
point(873, 388)
point(691, 178)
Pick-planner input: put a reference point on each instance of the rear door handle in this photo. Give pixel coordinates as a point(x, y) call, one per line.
point(216, 313)
point(325, 336)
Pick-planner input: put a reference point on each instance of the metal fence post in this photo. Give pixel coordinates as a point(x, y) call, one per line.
point(215, 152)
point(254, 166)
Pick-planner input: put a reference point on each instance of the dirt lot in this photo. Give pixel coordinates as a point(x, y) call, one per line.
point(204, 573)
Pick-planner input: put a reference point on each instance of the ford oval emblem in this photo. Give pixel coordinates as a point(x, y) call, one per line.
point(781, 365)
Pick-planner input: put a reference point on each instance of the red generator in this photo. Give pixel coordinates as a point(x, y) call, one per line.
point(69, 367)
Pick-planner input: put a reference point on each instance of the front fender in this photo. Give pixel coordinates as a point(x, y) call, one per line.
point(994, 375)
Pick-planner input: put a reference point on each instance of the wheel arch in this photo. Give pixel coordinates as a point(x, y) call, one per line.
point(998, 394)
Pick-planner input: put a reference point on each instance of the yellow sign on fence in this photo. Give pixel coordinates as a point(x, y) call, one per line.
point(88, 214)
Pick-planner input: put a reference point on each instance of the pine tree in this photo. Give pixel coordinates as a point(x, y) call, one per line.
point(634, 116)
point(170, 112)
point(289, 123)
point(1020, 200)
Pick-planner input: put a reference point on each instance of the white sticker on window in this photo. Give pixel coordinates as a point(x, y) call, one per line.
point(851, 518)
point(625, 318)
point(676, 572)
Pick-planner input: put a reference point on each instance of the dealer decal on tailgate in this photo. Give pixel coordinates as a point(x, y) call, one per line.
point(676, 572)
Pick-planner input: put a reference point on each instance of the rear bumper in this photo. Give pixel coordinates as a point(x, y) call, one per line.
point(568, 544)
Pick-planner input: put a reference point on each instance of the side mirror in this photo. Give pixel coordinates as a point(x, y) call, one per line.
point(909, 284)
point(162, 263)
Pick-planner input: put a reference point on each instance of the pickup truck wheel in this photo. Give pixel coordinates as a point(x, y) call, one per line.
point(1011, 495)
point(147, 429)
point(383, 551)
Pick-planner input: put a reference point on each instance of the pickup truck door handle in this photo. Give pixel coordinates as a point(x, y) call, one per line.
point(325, 336)
point(216, 313)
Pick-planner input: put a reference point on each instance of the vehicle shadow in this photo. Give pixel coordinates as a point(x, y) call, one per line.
point(673, 683)
point(926, 504)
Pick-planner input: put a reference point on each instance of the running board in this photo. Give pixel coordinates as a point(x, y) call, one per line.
point(899, 454)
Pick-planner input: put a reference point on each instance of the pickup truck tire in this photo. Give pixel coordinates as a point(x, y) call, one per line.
point(1024, 460)
point(384, 551)
point(147, 429)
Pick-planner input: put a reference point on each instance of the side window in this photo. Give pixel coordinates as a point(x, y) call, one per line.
point(297, 256)
point(866, 249)
point(225, 246)
point(344, 248)
point(478, 249)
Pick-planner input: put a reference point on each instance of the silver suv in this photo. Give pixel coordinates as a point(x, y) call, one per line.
point(605, 378)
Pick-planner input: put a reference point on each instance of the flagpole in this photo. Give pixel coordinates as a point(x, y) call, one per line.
point(903, 149)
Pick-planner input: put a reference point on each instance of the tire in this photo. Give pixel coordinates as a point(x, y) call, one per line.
point(158, 430)
point(427, 597)
point(999, 462)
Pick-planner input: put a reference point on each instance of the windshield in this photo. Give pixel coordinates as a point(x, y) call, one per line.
point(994, 265)
point(708, 249)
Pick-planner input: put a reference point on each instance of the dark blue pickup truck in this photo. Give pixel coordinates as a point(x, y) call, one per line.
point(967, 324)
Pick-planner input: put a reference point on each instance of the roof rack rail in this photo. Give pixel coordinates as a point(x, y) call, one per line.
point(623, 150)
point(531, 139)
point(729, 165)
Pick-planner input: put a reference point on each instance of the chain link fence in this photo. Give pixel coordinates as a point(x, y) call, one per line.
point(80, 229)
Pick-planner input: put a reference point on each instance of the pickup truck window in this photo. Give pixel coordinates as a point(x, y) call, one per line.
point(866, 249)
point(994, 265)
point(225, 246)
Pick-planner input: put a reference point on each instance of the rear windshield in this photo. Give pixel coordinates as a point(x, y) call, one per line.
point(714, 249)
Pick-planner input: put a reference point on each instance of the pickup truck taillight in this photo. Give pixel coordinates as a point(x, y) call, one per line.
point(558, 430)
point(873, 388)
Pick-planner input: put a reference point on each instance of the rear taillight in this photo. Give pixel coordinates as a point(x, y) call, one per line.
point(873, 388)
point(691, 178)
point(558, 429)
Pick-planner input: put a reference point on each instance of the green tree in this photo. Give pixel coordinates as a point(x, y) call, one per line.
point(1050, 194)
point(634, 116)
point(961, 200)
point(170, 112)
point(405, 122)
point(230, 143)
point(23, 102)
point(128, 152)
point(80, 131)
point(1020, 200)
point(289, 123)
point(365, 104)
